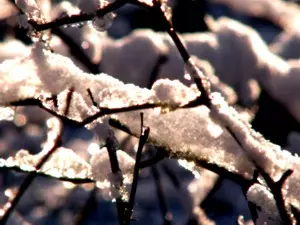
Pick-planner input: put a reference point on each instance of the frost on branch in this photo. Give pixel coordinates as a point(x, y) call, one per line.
point(196, 134)
point(107, 181)
point(44, 74)
point(101, 168)
point(274, 161)
point(264, 201)
point(64, 163)
point(191, 134)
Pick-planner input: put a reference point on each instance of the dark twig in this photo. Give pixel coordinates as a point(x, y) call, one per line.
point(82, 17)
point(296, 214)
point(108, 111)
point(111, 143)
point(30, 177)
point(142, 141)
point(275, 187)
point(245, 188)
point(92, 97)
point(116, 124)
point(197, 75)
point(102, 110)
point(42, 174)
point(68, 101)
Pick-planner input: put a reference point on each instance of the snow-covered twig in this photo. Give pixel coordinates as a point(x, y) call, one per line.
point(53, 142)
point(142, 141)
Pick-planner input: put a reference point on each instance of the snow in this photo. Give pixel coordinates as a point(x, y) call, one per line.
point(173, 92)
point(184, 134)
point(30, 8)
point(284, 14)
point(6, 113)
point(134, 56)
point(64, 163)
point(101, 168)
point(255, 146)
point(263, 199)
point(10, 49)
point(109, 182)
point(198, 134)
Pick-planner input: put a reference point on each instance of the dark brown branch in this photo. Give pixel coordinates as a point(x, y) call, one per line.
point(102, 110)
point(77, 18)
point(92, 97)
point(276, 190)
point(198, 78)
point(30, 177)
point(275, 187)
point(42, 174)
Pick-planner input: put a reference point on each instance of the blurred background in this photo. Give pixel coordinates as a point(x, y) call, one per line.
point(165, 191)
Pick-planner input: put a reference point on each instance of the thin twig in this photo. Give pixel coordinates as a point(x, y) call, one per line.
point(275, 187)
point(102, 110)
point(30, 177)
point(42, 174)
point(142, 141)
point(115, 168)
point(82, 17)
point(92, 97)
